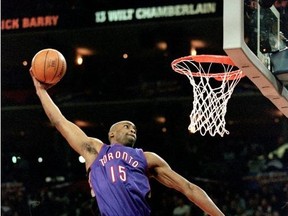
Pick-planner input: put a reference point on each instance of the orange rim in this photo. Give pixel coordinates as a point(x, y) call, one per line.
point(217, 59)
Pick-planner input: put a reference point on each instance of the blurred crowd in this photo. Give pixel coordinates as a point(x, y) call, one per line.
point(243, 180)
point(269, 199)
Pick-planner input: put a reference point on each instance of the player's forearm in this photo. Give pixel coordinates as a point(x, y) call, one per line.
point(50, 108)
point(203, 201)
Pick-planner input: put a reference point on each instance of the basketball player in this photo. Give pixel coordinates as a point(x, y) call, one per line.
point(118, 173)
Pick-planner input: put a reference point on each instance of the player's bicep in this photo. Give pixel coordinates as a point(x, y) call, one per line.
point(171, 179)
point(76, 138)
point(160, 170)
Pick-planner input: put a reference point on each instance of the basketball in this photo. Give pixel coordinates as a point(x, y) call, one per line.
point(49, 66)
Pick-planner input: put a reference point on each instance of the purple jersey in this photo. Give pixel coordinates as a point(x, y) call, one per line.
point(118, 178)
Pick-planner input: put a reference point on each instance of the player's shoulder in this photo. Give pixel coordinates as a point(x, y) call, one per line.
point(152, 158)
point(150, 154)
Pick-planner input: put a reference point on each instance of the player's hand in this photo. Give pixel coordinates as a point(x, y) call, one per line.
point(39, 85)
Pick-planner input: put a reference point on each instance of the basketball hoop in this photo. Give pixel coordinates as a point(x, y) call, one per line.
point(210, 96)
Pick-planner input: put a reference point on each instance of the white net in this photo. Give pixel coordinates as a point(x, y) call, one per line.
point(210, 96)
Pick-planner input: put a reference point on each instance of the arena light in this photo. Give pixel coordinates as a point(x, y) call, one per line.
point(193, 51)
point(24, 63)
point(83, 51)
point(15, 159)
point(81, 159)
point(164, 129)
point(197, 43)
point(82, 123)
point(162, 45)
point(160, 119)
point(79, 60)
point(125, 56)
point(48, 179)
point(40, 159)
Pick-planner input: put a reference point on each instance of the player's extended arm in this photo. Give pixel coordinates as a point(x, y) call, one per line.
point(77, 139)
point(161, 171)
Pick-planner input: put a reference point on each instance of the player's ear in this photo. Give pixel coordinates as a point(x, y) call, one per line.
point(111, 135)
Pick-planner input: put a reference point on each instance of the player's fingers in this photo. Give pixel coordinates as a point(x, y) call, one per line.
point(37, 83)
point(31, 72)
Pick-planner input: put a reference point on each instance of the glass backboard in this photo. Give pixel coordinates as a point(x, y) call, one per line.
point(251, 34)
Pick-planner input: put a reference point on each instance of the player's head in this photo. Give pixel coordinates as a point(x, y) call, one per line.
point(123, 132)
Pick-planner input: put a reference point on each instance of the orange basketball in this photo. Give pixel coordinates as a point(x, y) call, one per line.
point(49, 66)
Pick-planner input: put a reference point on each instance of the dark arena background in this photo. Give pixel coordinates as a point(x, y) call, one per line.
point(119, 56)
